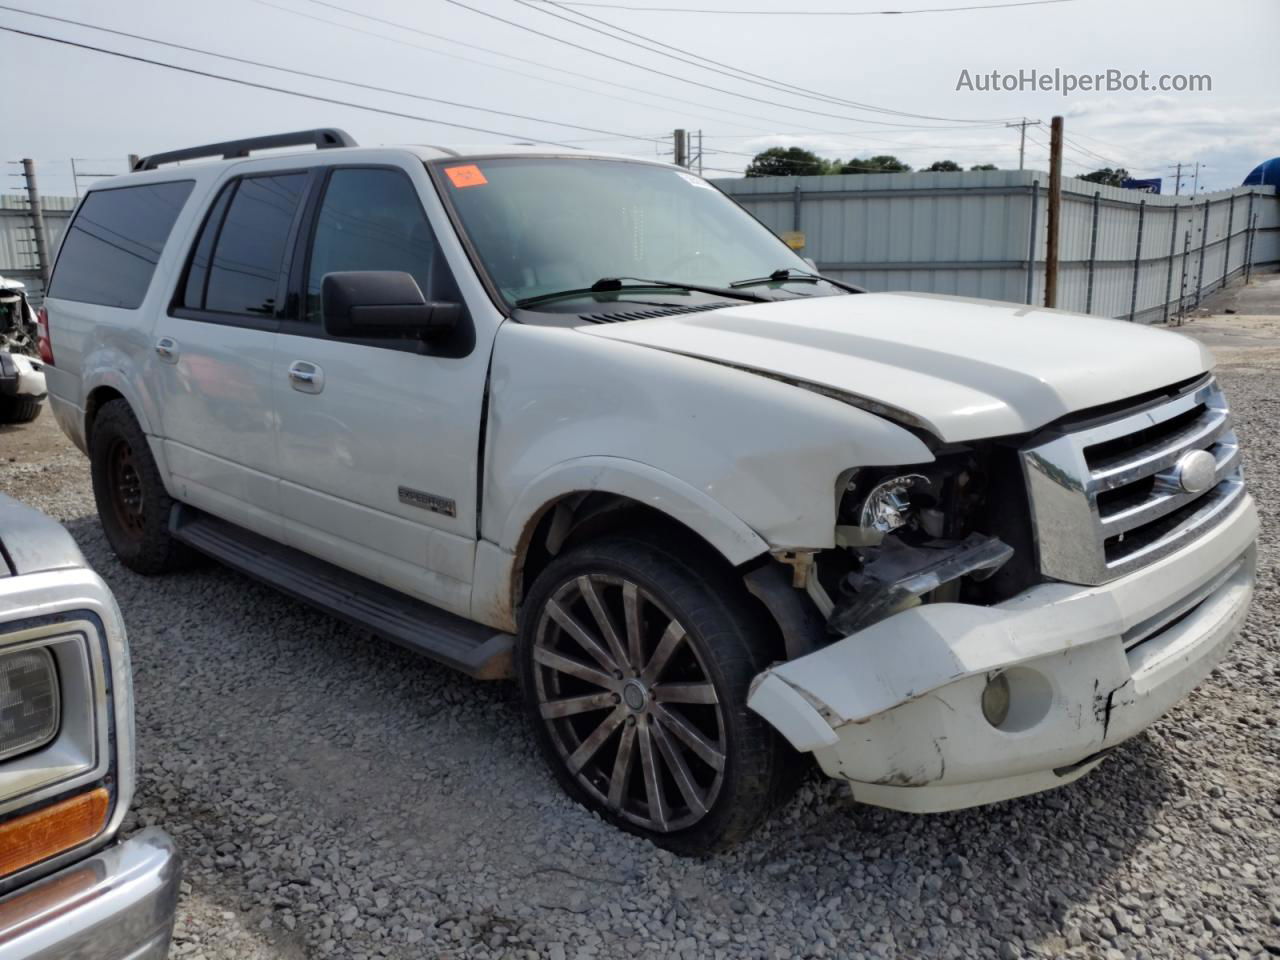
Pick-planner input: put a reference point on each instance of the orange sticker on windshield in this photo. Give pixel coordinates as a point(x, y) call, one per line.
point(468, 176)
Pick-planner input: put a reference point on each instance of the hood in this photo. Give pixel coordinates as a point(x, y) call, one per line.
point(965, 369)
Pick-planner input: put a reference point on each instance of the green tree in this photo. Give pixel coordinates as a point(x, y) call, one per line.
point(984, 166)
point(878, 164)
point(1112, 178)
point(943, 166)
point(787, 162)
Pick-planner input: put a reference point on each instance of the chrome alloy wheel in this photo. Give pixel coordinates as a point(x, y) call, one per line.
point(628, 702)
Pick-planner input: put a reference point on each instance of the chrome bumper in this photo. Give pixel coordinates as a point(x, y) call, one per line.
point(115, 905)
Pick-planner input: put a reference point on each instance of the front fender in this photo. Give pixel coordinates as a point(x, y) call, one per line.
point(637, 481)
point(496, 567)
point(745, 460)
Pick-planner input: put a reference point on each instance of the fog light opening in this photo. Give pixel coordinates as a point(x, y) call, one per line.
point(995, 700)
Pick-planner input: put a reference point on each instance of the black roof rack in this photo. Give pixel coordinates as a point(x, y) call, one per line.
point(325, 138)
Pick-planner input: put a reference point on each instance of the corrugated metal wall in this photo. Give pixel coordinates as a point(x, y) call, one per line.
point(17, 242)
point(971, 234)
point(960, 233)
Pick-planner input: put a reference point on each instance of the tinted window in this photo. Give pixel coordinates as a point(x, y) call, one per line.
point(371, 219)
point(198, 271)
point(114, 243)
point(244, 276)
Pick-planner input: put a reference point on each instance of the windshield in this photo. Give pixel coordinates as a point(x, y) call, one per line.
point(543, 225)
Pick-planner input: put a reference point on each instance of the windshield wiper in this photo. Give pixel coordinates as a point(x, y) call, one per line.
point(615, 284)
point(790, 273)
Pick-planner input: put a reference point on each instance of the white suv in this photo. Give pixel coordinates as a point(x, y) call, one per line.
point(580, 419)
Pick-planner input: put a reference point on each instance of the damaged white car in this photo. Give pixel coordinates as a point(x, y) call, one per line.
point(22, 384)
point(582, 420)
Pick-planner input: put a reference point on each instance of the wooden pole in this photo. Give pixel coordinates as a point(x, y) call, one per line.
point(1054, 213)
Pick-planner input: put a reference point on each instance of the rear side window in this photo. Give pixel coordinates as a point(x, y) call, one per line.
point(236, 262)
point(114, 243)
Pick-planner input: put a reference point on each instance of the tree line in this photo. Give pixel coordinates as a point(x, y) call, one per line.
point(799, 162)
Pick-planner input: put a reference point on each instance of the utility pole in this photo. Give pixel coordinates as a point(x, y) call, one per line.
point(1022, 141)
point(699, 153)
point(37, 221)
point(682, 152)
point(1177, 168)
point(1055, 207)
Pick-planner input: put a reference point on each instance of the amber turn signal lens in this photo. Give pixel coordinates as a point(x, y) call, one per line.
point(45, 833)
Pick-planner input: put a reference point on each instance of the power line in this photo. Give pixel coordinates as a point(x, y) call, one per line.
point(1085, 151)
point(768, 82)
point(1093, 156)
point(273, 89)
point(1045, 146)
point(895, 144)
point(1105, 143)
point(683, 101)
point(654, 70)
point(808, 13)
point(317, 76)
point(499, 53)
point(755, 78)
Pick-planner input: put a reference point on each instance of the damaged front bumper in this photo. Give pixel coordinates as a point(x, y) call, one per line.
point(21, 376)
point(896, 708)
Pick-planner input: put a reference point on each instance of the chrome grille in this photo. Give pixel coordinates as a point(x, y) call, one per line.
point(1108, 498)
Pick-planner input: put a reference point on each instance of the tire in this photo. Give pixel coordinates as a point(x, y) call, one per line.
point(640, 745)
point(132, 502)
point(19, 409)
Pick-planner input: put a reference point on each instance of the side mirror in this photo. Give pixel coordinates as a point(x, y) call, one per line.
point(382, 304)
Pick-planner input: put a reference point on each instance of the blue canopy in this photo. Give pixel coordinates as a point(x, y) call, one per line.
point(1266, 174)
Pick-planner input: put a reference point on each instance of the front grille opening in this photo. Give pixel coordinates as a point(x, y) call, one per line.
point(1124, 545)
point(1112, 502)
point(1109, 453)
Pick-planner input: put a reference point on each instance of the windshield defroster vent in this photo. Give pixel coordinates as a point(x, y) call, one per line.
point(672, 311)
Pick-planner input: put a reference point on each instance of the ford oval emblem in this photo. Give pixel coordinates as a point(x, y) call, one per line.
point(1196, 471)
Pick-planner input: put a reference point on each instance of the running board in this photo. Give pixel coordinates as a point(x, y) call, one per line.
point(474, 649)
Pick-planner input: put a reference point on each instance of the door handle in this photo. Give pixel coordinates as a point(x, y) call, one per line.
point(167, 348)
point(306, 377)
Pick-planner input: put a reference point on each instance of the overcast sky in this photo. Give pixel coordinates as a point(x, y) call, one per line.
point(66, 102)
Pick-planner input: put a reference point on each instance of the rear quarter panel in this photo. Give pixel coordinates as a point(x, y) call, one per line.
point(98, 346)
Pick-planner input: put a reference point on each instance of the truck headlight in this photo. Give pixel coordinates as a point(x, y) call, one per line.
point(29, 705)
point(888, 505)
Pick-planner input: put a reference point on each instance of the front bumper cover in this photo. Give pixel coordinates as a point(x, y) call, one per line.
point(895, 709)
point(118, 904)
point(21, 376)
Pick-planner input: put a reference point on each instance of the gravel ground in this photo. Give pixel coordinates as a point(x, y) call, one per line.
point(338, 797)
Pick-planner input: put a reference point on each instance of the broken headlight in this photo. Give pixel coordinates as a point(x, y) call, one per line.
point(888, 504)
point(909, 536)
